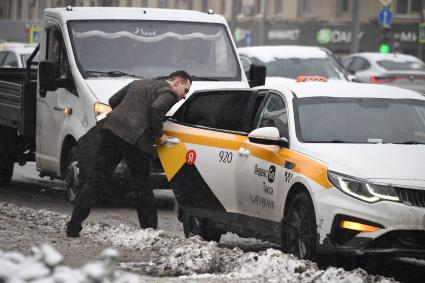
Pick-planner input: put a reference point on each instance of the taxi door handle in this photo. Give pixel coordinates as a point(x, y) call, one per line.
point(243, 152)
point(172, 141)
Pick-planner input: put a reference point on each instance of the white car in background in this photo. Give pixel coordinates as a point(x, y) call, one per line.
point(292, 61)
point(15, 55)
point(395, 69)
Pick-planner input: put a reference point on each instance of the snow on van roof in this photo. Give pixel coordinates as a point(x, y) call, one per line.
point(346, 89)
point(132, 13)
point(269, 53)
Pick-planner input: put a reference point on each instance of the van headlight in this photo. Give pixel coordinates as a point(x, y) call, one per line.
point(100, 110)
point(361, 189)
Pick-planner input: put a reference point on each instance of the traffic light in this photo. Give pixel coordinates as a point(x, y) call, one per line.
point(385, 44)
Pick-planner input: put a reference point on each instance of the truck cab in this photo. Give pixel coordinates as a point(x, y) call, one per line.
point(87, 54)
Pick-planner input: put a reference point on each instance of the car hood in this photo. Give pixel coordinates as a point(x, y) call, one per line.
point(103, 89)
point(401, 165)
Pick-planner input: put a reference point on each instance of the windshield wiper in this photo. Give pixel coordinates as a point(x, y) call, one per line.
point(331, 141)
point(110, 73)
point(409, 142)
point(196, 78)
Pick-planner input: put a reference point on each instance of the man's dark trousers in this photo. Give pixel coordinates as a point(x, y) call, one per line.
point(110, 150)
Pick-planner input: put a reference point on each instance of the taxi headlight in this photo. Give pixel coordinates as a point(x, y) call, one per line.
point(361, 189)
point(100, 110)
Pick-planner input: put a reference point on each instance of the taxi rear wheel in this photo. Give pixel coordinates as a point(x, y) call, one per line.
point(300, 229)
point(193, 226)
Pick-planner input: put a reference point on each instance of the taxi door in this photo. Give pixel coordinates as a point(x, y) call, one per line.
point(260, 171)
point(201, 165)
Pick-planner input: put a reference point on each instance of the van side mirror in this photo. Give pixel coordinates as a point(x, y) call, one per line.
point(268, 136)
point(257, 75)
point(47, 75)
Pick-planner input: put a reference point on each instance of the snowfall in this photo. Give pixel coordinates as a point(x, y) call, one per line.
point(175, 259)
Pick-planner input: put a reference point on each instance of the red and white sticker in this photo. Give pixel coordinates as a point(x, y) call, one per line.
point(191, 157)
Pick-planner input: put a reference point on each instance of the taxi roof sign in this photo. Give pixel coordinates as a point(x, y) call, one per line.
point(301, 79)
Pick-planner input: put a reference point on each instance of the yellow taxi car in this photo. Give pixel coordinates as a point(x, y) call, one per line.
point(315, 166)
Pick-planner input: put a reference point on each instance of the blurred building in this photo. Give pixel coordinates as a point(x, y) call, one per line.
point(307, 22)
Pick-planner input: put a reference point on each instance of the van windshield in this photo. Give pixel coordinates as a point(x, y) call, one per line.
point(360, 120)
point(153, 48)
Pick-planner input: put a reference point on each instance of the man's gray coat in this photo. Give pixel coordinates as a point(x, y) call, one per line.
point(139, 110)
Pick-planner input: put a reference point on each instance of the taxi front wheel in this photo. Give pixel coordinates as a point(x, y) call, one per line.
point(300, 229)
point(193, 226)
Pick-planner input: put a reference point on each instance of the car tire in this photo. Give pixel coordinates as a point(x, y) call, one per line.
point(6, 169)
point(72, 182)
point(299, 229)
point(8, 139)
point(193, 226)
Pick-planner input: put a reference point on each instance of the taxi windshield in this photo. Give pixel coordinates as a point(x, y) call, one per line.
point(360, 120)
point(153, 48)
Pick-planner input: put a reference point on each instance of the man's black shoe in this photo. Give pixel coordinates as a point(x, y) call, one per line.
point(149, 220)
point(73, 230)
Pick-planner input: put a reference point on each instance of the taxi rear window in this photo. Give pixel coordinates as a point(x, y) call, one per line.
point(225, 111)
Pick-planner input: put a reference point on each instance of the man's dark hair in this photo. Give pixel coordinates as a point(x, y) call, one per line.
point(180, 74)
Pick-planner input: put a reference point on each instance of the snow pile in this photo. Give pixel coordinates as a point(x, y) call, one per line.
point(194, 258)
point(43, 265)
point(170, 255)
point(122, 235)
point(272, 264)
point(161, 255)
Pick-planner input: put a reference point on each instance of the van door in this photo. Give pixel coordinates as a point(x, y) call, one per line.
point(55, 109)
point(259, 168)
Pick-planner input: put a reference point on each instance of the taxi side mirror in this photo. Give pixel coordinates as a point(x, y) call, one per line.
point(268, 136)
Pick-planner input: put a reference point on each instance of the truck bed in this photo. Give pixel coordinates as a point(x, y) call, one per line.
point(18, 100)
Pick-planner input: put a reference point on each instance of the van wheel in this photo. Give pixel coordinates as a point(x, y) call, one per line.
point(72, 183)
point(300, 229)
point(6, 169)
point(193, 226)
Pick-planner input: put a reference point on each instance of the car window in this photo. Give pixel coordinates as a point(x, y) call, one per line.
point(346, 62)
point(401, 65)
point(11, 60)
point(2, 56)
point(246, 63)
point(358, 64)
point(24, 59)
point(225, 111)
point(56, 51)
point(274, 114)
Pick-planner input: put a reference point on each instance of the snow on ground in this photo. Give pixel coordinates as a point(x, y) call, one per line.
point(43, 265)
point(176, 259)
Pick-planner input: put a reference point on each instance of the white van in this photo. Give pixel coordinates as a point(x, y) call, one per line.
point(88, 53)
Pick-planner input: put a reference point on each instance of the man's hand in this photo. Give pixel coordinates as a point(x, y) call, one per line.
point(162, 139)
